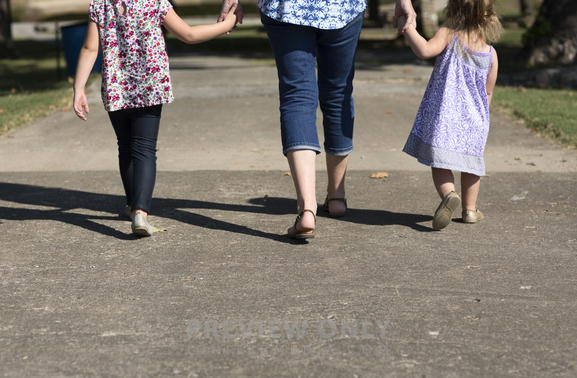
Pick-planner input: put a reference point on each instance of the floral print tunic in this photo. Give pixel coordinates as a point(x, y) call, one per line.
point(320, 14)
point(135, 65)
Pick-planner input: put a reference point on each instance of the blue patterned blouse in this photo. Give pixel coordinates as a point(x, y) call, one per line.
point(320, 14)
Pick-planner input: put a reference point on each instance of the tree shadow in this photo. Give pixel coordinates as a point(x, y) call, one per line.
point(359, 216)
point(65, 205)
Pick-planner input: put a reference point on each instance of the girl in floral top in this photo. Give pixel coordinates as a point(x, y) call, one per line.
point(135, 84)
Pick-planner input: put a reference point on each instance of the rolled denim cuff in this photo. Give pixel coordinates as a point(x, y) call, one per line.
point(315, 148)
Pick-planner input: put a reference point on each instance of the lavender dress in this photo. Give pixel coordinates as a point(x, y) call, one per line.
point(451, 127)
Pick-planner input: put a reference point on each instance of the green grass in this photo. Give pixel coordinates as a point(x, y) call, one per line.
point(550, 112)
point(30, 88)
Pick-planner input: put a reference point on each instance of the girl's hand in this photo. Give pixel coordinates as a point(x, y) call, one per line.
point(231, 17)
point(225, 11)
point(80, 104)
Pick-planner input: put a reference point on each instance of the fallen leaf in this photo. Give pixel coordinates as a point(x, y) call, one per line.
point(65, 108)
point(379, 175)
point(407, 70)
point(387, 112)
point(288, 174)
point(159, 229)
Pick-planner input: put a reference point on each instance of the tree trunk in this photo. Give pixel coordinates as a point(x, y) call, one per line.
point(373, 6)
point(418, 6)
point(6, 46)
point(552, 39)
point(526, 7)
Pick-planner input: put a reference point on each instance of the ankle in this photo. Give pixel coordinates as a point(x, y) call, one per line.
point(141, 212)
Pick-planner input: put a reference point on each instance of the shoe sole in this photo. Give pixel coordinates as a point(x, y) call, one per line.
point(304, 236)
point(141, 231)
point(444, 215)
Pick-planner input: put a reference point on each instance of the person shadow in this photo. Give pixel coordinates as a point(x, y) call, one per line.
point(360, 216)
point(84, 209)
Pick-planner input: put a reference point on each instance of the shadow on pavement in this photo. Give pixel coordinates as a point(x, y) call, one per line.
point(68, 206)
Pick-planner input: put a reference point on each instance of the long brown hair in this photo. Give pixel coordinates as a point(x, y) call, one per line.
point(474, 18)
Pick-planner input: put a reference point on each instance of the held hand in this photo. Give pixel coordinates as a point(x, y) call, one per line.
point(226, 8)
point(80, 104)
point(231, 17)
point(401, 21)
point(404, 8)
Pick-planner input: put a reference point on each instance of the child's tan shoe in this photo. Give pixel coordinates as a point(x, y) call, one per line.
point(472, 216)
point(444, 213)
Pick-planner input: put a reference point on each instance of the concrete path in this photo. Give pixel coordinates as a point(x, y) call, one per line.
point(223, 293)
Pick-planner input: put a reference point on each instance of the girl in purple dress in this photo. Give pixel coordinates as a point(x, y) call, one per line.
point(135, 84)
point(452, 124)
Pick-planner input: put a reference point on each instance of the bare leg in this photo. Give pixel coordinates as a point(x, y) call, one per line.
point(470, 187)
point(336, 169)
point(302, 166)
point(444, 181)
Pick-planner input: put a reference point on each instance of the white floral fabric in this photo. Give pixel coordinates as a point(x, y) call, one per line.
point(320, 14)
point(135, 70)
point(452, 124)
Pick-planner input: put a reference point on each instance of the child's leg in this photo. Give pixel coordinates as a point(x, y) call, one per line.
point(445, 185)
point(121, 123)
point(444, 181)
point(470, 190)
point(144, 132)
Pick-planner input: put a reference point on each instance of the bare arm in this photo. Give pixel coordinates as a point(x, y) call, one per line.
point(492, 77)
point(86, 59)
point(200, 33)
point(421, 47)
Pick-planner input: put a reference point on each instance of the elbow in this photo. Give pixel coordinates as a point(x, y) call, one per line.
point(91, 50)
point(425, 55)
point(190, 39)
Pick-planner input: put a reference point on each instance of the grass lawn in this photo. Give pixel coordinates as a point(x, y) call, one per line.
point(550, 112)
point(29, 88)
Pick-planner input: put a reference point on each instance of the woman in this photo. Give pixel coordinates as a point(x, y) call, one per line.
point(305, 34)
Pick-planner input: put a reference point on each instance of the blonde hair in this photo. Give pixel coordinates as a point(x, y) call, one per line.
point(474, 17)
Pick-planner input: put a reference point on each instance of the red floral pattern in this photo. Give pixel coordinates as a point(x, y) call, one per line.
point(135, 70)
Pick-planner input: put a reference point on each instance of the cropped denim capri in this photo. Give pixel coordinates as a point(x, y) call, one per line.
point(297, 49)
